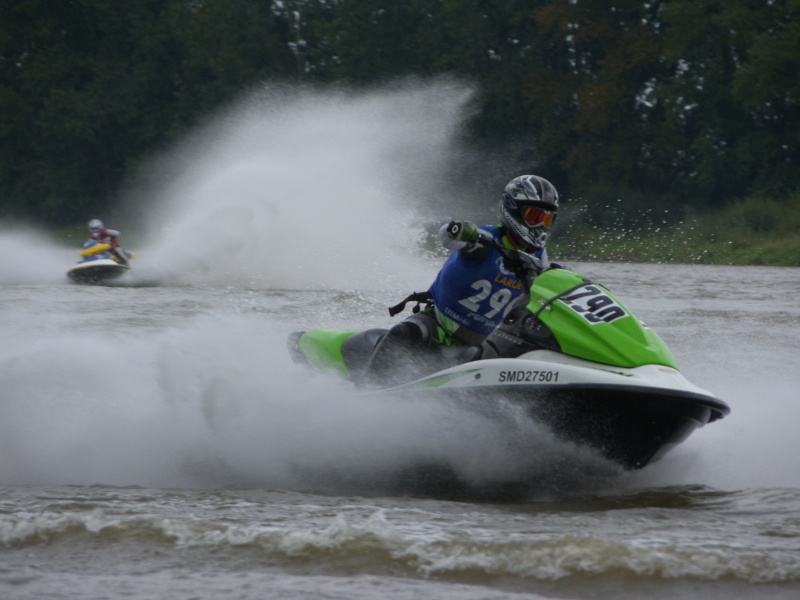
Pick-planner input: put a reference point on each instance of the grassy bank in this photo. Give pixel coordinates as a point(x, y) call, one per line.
point(752, 232)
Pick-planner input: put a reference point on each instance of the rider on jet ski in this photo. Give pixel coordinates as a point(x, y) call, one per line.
point(474, 287)
point(100, 234)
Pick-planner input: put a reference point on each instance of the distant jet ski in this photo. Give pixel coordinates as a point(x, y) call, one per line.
point(100, 264)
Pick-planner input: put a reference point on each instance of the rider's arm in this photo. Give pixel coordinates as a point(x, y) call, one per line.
point(462, 236)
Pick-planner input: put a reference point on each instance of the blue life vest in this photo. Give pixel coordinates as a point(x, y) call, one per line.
point(475, 293)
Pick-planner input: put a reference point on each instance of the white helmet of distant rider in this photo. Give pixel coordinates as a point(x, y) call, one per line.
point(529, 208)
point(96, 226)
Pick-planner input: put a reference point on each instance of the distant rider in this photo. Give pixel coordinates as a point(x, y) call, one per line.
point(99, 233)
point(474, 287)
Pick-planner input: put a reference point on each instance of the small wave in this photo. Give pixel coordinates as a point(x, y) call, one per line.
point(32, 530)
point(373, 542)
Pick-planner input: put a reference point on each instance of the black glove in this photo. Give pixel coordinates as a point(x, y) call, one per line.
point(522, 264)
point(462, 231)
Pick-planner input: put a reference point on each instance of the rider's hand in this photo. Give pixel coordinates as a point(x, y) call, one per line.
point(462, 231)
point(522, 263)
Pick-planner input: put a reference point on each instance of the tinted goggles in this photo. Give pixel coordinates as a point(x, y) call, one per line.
point(537, 216)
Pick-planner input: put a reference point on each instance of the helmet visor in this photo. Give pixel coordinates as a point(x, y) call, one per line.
point(537, 216)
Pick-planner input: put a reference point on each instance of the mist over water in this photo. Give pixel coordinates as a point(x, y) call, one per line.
point(216, 402)
point(289, 188)
point(304, 189)
point(302, 208)
point(286, 190)
point(29, 256)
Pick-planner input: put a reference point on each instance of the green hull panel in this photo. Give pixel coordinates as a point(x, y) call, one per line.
point(322, 348)
point(614, 335)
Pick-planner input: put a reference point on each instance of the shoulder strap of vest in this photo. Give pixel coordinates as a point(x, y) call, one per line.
point(418, 297)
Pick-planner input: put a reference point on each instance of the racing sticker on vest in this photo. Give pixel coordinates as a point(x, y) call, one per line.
point(594, 305)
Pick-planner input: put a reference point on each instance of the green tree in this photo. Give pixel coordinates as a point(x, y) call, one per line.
point(767, 86)
point(226, 46)
point(374, 40)
point(589, 93)
point(733, 95)
point(491, 44)
point(45, 137)
point(682, 99)
point(88, 87)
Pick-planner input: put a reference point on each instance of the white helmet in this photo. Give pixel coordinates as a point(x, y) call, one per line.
point(96, 226)
point(529, 208)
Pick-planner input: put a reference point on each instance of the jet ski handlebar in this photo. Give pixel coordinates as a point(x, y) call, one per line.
point(522, 264)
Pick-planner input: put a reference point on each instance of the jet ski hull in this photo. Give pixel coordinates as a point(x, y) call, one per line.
point(632, 417)
point(96, 271)
point(632, 427)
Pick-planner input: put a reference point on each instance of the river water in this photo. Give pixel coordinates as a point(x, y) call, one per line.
point(156, 440)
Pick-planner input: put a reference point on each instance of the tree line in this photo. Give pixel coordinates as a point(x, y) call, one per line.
point(663, 100)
